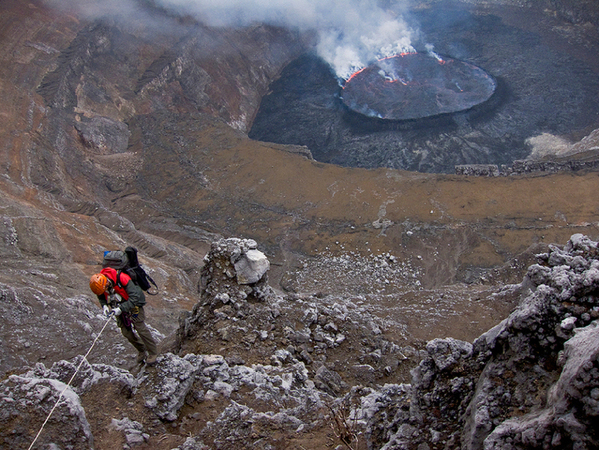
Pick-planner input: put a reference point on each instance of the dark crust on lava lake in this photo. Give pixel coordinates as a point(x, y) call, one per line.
point(417, 85)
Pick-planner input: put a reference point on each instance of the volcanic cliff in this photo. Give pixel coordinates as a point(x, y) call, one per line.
point(371, 328)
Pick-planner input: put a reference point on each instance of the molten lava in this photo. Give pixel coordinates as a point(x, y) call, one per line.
point(416, 85)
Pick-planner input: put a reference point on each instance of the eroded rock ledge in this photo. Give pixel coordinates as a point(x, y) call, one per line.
point(530, 382)
point(521, 167)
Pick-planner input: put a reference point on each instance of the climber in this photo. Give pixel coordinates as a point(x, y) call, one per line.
point(120, 296)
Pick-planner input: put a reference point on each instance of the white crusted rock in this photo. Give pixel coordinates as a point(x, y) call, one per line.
point(251, 267)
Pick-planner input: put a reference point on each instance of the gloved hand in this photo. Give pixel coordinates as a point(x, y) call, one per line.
point(117, 311)
point(106, 310)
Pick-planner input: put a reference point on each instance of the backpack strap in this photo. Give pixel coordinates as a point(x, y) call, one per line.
point(151, 281)
point(144, 280)
point(118, 279)
point(143, 272)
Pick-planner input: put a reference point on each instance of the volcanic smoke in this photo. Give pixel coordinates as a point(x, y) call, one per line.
point(351, 33)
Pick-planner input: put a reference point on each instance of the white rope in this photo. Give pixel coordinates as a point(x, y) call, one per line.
point(69, 383)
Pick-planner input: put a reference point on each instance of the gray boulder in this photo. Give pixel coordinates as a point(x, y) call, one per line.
point(251, 267)
point(27, 401)
point(166, 388)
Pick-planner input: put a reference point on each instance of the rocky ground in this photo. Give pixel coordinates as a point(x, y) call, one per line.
point(252, 368)
point(119, 133)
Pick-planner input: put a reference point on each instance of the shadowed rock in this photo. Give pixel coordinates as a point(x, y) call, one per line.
point(530, 382)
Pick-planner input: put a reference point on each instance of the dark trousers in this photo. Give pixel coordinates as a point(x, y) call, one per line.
point(138, 333)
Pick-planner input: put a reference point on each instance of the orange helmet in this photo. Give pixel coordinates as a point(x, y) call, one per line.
point(97, 283)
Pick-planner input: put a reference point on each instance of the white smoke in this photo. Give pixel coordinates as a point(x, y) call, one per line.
point(351, 33)
point(430, 49)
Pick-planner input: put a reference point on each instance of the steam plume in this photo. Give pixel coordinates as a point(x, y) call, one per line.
point(351, 33)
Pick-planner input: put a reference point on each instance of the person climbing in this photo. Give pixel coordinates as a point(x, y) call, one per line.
point(120, 296)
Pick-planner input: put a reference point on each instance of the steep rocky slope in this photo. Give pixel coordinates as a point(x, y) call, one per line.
point(116, 134)
point(293, 372)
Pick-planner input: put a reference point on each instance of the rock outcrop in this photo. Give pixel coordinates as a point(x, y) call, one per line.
point(521, 167)
point(530, 382)
point(253, 319)
point(478, 170)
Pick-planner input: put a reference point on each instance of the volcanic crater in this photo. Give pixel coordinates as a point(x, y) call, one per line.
point(415, 86)
point(528, 80)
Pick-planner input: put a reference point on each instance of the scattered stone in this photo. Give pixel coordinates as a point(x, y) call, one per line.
point(329, 381)
point(133, 430)
point(532, 381)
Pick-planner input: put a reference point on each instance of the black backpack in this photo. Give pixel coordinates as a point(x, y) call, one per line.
point(126, 261)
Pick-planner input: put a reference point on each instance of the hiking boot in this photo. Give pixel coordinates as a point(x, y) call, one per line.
point(151, 360)
point(141, 357)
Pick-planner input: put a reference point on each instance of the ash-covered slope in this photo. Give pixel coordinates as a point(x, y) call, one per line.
point(124, 133)
point(530, 382)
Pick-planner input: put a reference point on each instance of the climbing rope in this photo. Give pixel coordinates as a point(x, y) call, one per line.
point(69, 383)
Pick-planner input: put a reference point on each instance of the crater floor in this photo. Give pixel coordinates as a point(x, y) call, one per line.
point(546, 83)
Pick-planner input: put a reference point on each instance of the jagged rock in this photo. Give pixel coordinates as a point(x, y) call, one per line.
point(132, 429)
point(520, 167)
point(329, 381)
point(165, 391)
point(104, 135)
point(230, 313)
point(87, 375)
point(288, 401)
point(234, 285)
point(569, 417)
point(192, 444)
point(234, 271)
point(529, 382)
point(27, 401)
point(477, 170)
point(245, 427)
point(251, 266)
point(447, 353)
point(365, 373)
